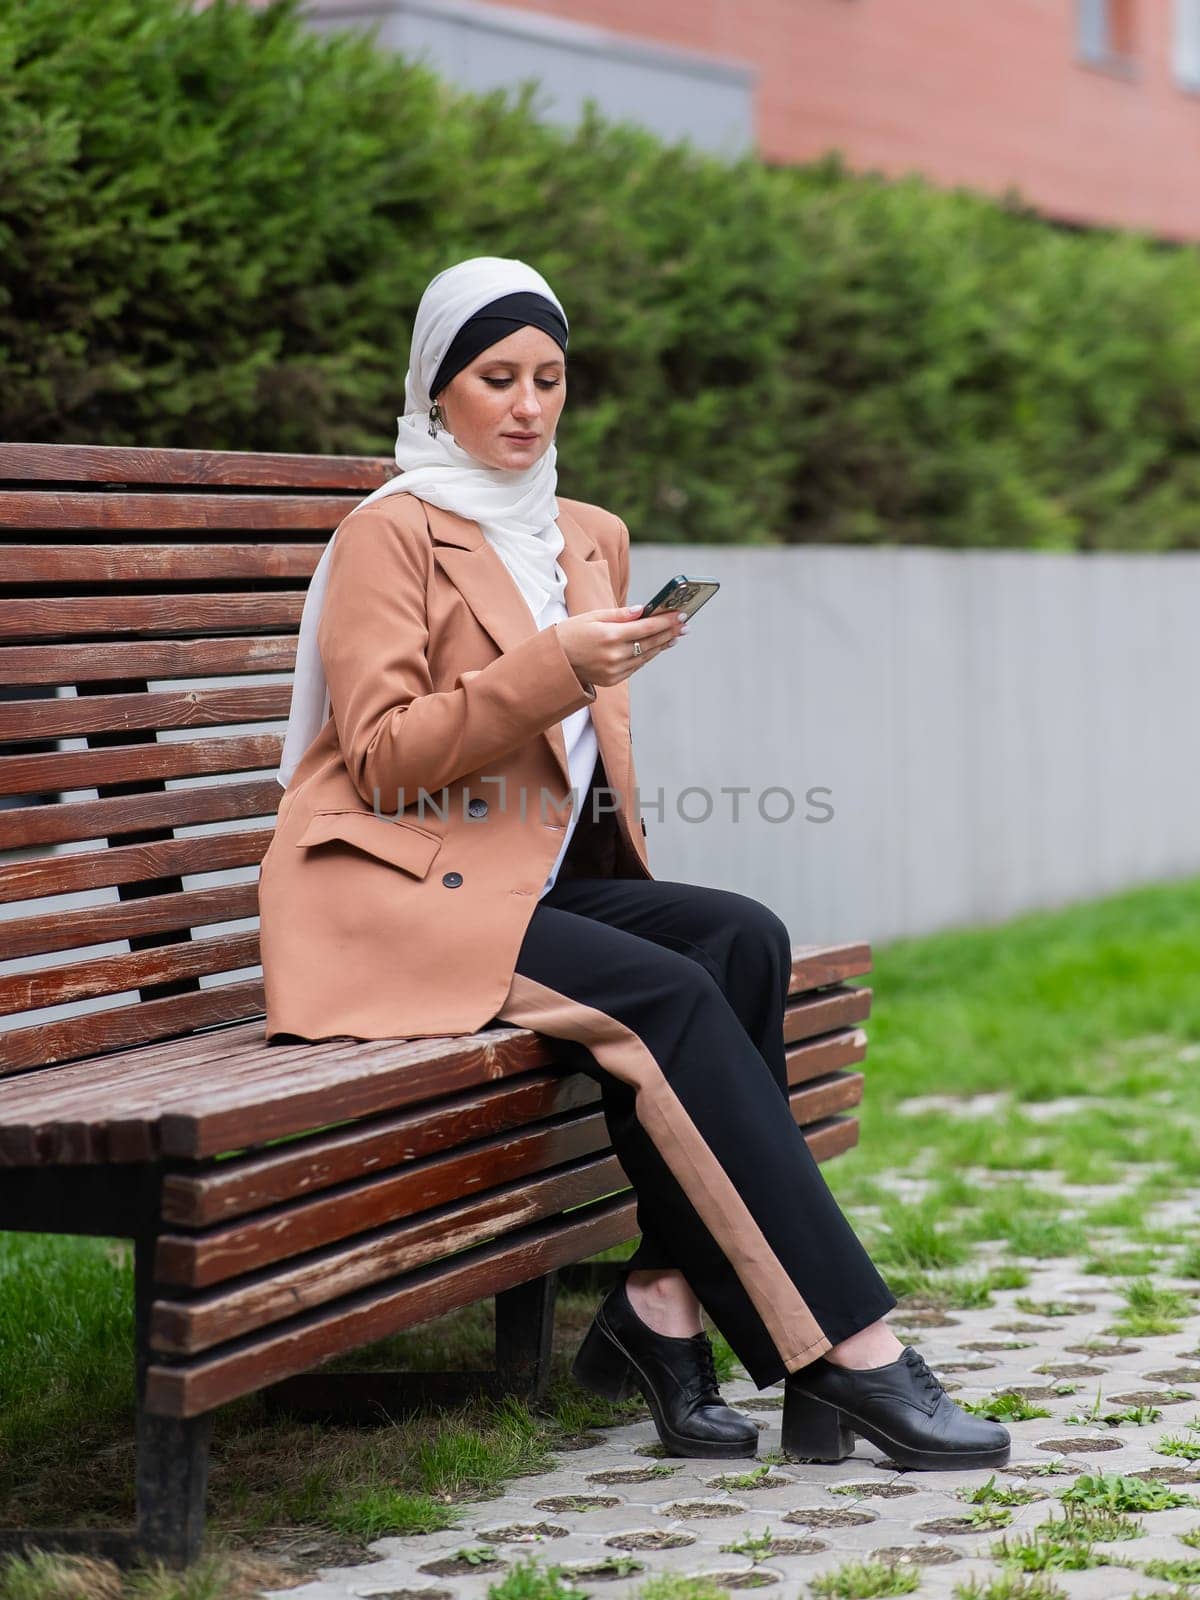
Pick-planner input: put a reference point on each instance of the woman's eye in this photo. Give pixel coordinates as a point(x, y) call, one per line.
point(503, 383)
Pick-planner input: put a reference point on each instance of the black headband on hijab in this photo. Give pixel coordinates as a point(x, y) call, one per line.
point(494, 322)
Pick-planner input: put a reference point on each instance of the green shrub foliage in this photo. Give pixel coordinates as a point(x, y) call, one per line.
point(215, 226)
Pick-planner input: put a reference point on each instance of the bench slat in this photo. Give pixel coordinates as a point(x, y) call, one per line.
point(822, 1012)
point(832, 1138)
point(126, 919)
point(132, 863)
point(155, 514)
point(49, 1043)
point(119, 974)
point(73, 821)
point(198, 1261)
point(138, 659)
point(84, 463)
point(83, 616)
point(60, 718)
point(375, 1314)
point(100, 976)
point(814, 965)
point(134, 763)
point(94, 1117)
point(184, 1327)
point(88, 563)
point(228, 1189)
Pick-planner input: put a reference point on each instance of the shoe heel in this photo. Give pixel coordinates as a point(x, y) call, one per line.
point(812, 1430)
point(601, 1366)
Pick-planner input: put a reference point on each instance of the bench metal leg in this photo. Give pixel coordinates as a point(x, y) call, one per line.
point(524, 1341)
point(171, 1471)
point(525, 1335)
point(172, 1452)
point(172, 1482)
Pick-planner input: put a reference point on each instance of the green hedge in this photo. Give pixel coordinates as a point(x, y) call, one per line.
point(215, 226)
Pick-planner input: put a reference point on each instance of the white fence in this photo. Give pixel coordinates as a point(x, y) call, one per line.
point(914, 739)
point(994, 730)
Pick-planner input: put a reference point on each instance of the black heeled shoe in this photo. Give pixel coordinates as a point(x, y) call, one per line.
point(901, 1407)
point(621, 1354)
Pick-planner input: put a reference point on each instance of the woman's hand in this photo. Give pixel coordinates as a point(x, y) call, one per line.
point(599, 644)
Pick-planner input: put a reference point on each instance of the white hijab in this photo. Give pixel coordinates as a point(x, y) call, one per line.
point(515, 509)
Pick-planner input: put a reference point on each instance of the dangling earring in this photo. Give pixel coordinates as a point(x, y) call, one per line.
point(436, 417)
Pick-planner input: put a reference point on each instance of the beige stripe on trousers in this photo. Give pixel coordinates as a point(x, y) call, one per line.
point(619, 1050)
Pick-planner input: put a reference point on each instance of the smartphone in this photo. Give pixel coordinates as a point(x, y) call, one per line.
point(682, 594)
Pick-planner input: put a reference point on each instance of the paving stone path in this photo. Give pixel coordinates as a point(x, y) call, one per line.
point(619, 1500)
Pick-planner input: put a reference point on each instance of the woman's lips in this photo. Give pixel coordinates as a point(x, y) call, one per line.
point(522, 438)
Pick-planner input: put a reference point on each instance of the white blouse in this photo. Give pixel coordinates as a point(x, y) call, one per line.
point(579, 734)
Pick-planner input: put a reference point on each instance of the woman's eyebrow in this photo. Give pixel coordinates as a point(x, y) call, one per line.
point(505, 361)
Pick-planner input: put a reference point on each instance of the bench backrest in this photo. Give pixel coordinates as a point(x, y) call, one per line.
point(152, 600)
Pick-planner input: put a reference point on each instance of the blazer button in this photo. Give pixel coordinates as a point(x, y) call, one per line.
point(477, 808)
point(452, 879)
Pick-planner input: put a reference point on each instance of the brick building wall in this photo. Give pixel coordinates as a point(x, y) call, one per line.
point(1089, 107)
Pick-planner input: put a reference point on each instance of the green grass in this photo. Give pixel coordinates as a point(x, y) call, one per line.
point(674, 1586)
point(913, 1238)
point(1045, 1308)
point(993, 1494)
point(529, 1580)
point(1010, 1586)
point(66, 1331)
point(1124, 1263)
point(1174, 1445)
point(377, 1511)
point(1113, 1492)
point(1065, 1549)
point(952, 1290)
point(1150, 1310)
point(1095, 1002)
point(45, 1576)
point(1186, 1571)
point(861, 1580)
point(1139, 1416)
point(744, 1480)
point(757, 1546)
point(346, 1484)
point(1006, 1407)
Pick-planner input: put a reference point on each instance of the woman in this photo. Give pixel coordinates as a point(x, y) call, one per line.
point(461, 681)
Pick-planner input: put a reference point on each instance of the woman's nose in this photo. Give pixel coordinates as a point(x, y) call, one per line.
point(527, 405)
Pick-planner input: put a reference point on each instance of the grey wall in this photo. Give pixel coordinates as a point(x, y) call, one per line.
point(1000, 730)
point(676, 93)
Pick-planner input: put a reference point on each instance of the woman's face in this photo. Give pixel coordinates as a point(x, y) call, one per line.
point(504, 407)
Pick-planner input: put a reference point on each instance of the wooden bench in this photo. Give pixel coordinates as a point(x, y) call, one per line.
point(292, 1202)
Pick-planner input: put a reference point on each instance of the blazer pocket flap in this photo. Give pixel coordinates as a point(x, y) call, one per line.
point(400, 844)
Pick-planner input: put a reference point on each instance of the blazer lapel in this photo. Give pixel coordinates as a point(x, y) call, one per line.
point(485, 583)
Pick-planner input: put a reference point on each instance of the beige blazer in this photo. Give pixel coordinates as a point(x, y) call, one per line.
point(405, 864)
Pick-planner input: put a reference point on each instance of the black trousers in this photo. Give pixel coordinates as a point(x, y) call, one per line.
point(671, 995)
